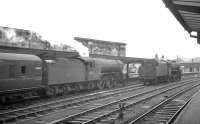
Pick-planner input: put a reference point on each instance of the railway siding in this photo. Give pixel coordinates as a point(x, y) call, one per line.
point(44, 108)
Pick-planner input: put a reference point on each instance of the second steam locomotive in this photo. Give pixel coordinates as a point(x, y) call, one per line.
point(154, 71)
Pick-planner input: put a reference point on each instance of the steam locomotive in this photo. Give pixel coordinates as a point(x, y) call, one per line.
point(154, 72)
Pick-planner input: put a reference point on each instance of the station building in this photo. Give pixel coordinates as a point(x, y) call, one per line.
point(102, 47)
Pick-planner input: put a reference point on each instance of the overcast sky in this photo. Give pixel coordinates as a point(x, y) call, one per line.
point(146, 26)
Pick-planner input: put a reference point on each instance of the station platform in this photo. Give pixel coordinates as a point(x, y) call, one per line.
point(191, 113)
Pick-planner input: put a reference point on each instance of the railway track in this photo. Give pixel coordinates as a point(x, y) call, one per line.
point(166, 111)
point(106, 115)
point(14, 115)
point(70, 96)
point(97, 110)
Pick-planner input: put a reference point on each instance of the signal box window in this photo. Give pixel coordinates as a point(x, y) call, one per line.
point(23, 69)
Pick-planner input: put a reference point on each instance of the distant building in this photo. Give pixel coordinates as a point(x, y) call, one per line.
point(101, 47)
point(62, 47)
point(21, 38)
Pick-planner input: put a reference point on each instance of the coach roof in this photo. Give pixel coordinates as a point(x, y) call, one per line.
point(13, 56)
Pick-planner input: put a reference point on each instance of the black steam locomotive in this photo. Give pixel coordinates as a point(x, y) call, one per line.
point(154, 71)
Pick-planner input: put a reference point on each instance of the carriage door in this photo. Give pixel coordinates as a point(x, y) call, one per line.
point(44, 72)
point(12, 69)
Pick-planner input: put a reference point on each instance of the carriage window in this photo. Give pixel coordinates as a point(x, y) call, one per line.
point(23, 69)
point(12, 69)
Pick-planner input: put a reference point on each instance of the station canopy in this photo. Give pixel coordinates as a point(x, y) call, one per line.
point(187, 12)
point(44, 54)
point(123, 59)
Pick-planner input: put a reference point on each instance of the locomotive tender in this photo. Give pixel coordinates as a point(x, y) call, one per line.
point(21, 75)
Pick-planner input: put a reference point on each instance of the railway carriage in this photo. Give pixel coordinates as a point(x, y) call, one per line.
point(20, 75)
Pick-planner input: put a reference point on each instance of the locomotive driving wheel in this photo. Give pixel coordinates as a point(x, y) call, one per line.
point(108, 83)
point(100, 85)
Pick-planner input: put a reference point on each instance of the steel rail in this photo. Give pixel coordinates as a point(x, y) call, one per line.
point(179, 111)
point(67, 102)
point(157, 107)
point(115, 111)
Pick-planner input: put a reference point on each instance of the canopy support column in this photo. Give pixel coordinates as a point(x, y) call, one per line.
point(198, 37)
